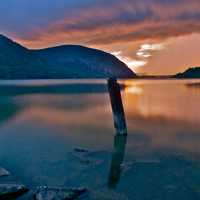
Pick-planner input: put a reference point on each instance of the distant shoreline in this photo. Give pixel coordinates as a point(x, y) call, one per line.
point(102, 79)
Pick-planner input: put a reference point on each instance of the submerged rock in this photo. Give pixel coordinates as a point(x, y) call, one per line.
point(126, 166)
point(106, 194)
point(81, 150)
point(11, 191)
point(48, 193)
point(4, 172)
point(87, 157)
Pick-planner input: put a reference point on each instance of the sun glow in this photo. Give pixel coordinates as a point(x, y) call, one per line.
point(133, 64)
point(145, 50)
point(142, 55)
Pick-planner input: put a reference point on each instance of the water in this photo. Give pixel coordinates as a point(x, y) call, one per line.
point(61, 133)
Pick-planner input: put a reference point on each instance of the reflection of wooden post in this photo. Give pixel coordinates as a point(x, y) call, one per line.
point(117, 160)
point(121, 132)
point(117, 106)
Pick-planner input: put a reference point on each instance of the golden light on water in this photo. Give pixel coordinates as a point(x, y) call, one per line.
point(134, 90)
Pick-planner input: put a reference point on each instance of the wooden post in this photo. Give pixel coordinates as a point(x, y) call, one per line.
point(121, 133)
point(117, 106)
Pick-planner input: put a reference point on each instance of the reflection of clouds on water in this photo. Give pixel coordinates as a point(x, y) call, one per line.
point(164, 100)
point(159, 110)
point(50, 100)
point(165, 116)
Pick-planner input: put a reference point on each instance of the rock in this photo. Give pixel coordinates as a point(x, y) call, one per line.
point(87, 157)
point(48, 193)
point(11, 191)
point(4, 172)
point(106, 194)
point(81, 150)
point(126, 166)
point(147, 161)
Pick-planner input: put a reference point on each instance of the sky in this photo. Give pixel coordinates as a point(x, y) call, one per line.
point(156, 37)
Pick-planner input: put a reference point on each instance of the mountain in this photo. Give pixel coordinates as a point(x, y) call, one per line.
point(189, 73)
point(67, 61)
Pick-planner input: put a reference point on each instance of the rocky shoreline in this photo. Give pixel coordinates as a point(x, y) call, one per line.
point(11, 191)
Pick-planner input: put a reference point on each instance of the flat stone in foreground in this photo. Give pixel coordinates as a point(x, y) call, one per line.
point(4, 172)
point(48, 193)
point(11, 191)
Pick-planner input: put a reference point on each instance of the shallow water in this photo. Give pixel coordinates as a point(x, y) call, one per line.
point(43, 125)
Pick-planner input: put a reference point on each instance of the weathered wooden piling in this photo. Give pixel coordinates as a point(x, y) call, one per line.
point(121, 132)
point(117, 106)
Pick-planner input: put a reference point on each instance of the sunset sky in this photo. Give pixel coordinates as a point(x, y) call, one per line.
point(150, 36)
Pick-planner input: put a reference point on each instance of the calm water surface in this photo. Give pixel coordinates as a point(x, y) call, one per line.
point(61, 133)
